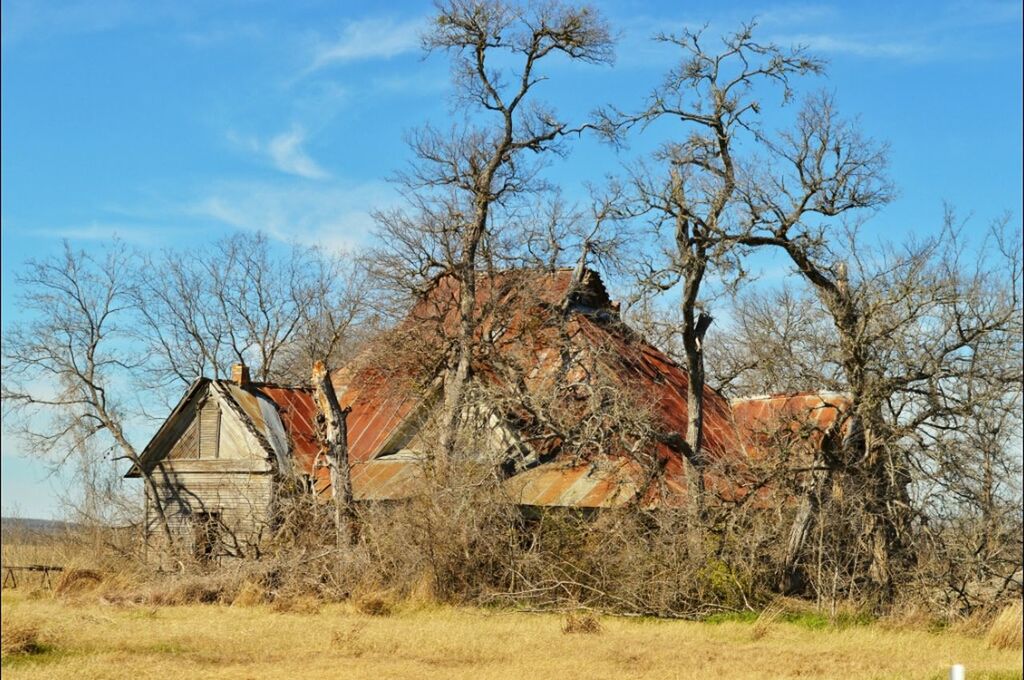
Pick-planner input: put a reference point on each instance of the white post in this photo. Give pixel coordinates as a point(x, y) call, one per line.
point(957, 672)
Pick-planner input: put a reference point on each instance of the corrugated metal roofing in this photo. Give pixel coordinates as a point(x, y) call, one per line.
point(799, 420)
point(298, 417)
point(397, 380)
point(602, 483)
point(384, 396)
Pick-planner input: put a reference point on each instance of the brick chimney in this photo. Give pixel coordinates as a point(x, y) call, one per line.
point(240, 374)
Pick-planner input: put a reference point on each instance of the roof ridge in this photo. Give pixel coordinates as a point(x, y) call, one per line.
point(257, 384)
point(790, 395)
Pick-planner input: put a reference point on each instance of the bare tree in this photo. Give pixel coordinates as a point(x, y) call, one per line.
point(65, 364)
point(693, 201)
point(246, 301)
point(925, 340)
point(778, 340)
point(467, 182)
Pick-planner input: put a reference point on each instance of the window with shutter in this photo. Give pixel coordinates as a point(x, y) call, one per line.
point(209, 430)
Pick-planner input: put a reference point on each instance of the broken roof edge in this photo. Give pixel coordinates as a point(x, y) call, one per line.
point(824, 395)
point(133, 471)
point(269, 385)
point(588, 278)
point(220, 388)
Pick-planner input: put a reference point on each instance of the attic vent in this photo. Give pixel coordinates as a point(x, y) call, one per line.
point(209, 430)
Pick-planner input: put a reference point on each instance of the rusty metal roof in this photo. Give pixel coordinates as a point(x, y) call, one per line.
point(800, 421)
point(386, 390)
point(387, 478)
point(600, 483)
point(398, 379)
point(298, 417)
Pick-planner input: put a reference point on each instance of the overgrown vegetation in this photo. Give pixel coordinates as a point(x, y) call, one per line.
point(912, 501)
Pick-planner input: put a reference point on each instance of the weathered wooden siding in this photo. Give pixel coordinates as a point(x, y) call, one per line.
point(241, 500)
point(237, 442)
point(215, 468)
point(209, 430)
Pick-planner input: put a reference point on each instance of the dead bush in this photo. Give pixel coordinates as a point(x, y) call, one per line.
point(21, 639)
point(251, 593)
point(188, 590)
point(1006, 630)
point(286, 604)
point(373, 604)
point(767, 619)
point(583, 622)
point(77, 581)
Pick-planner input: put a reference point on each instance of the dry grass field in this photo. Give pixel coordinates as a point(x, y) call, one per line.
point(47, 637)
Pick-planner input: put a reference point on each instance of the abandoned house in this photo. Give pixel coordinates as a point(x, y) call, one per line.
point(560, 374)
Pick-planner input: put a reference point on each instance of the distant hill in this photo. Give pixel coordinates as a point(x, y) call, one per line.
point(35, 526)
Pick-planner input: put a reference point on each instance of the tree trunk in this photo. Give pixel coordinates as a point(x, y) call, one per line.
point(693, 338)
point(790, 579)
point(458, 374)
point(333, 430)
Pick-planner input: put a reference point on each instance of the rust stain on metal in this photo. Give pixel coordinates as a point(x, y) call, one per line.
point(387, 392)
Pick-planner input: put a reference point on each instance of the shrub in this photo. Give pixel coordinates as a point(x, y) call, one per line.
point(286, 604)
point(581, 622)
point(766, 619)
point(373, 604)
point(76, 581)
point(1006, 629)
point(21, 640)
point(250, 594)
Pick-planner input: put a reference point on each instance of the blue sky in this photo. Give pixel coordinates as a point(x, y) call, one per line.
point(174, 123)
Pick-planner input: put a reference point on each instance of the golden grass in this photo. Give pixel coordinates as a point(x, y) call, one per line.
point(61, 549)
point(20, 639)
point(581, 622)
point(767, 619)
point(85, 639)
point(1006, 631)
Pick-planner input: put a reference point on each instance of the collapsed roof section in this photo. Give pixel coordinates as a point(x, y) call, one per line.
point(548, 341)
point(579, 410)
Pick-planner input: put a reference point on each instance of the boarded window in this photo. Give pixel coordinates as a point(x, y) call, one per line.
point(206, 528)
point(209, 430)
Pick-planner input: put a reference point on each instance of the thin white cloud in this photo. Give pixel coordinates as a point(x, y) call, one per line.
point(285, 151)
point(796, 13)
point(334, 216)
point(25, 19)
point(861, 47)
point(99, 231)
point(987, 12)
point(368, 39)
